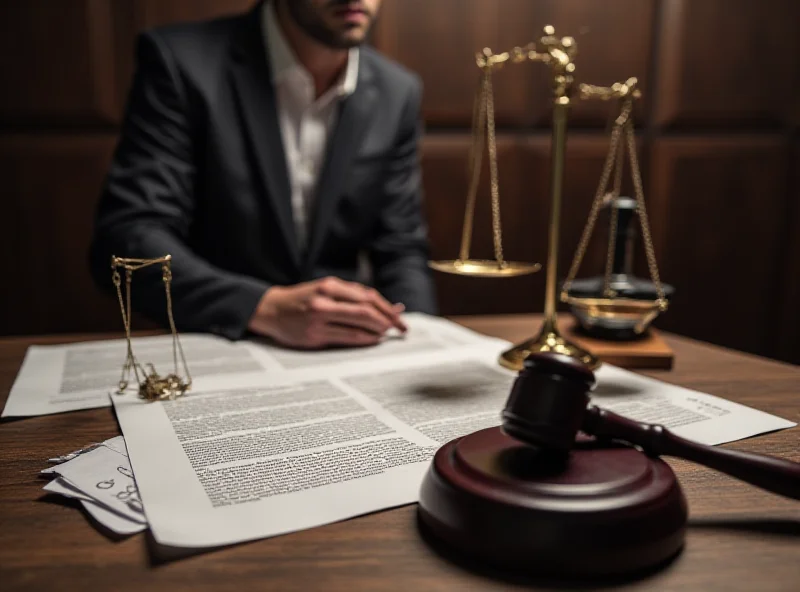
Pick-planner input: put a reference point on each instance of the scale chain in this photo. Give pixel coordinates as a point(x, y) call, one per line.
point(612, 239)
point(133, 362)
point(497, 232)
point(176, 342)
point(593, 213)
point(622, 126)
point(126, 367)
point(475, 161)
point(483, 130)
point(645, 224)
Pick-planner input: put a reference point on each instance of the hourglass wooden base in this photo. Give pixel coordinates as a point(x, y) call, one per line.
point(604, 511)
point(485, 267)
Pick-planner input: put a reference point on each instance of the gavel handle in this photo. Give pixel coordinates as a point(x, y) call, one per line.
point(773, 474)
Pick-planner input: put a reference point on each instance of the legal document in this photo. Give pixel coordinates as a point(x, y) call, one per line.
point(690, 414)
point(426, 334)
point(317, 445)
point(59, 378)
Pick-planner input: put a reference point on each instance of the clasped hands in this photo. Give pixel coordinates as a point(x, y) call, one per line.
point(325, 312)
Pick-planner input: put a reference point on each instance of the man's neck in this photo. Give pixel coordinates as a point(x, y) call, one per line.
point(325, 64)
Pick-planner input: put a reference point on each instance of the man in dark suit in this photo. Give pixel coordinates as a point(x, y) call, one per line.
point(266, 153)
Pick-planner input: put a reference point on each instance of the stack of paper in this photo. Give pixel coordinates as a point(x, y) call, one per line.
point(100, 477)
point(310, 447)
point(271, 441)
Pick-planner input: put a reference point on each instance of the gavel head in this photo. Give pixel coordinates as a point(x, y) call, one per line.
point(548, 401)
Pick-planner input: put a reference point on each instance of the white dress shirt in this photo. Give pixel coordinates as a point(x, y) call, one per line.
point(306, 121)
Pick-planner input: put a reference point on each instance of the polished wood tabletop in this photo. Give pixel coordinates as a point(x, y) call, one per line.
point(739, 538)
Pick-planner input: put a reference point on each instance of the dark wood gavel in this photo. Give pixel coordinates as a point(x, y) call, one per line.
point(549, 404)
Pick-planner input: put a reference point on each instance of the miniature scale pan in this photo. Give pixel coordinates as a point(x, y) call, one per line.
point(641, 312)
point(485, 267)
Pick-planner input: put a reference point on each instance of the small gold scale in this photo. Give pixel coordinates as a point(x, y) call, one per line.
point(559, 54)
point(152, 386)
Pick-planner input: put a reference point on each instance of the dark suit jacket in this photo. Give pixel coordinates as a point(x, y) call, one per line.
point(200, 173)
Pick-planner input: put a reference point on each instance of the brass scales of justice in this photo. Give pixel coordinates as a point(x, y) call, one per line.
point(559, 54)
point(152, 386)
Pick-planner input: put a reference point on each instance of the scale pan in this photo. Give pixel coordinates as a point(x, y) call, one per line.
point(484, 267)
point(637, 314)
point(614, 307)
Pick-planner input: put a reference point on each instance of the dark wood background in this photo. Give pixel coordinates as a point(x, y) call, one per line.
point(718, 141)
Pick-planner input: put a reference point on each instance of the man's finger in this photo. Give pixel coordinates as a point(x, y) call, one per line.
point(353, 292)
point(360, 315)
point(363, 315)
point(340, 290)
point(338, 335)
point(383, 305)
point(372, 296)
point(356, 314)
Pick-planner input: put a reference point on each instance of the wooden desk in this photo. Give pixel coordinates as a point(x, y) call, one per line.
point(739, 538)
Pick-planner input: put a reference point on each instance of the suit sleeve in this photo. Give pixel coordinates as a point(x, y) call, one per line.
point(149, 201)
point(399, 252)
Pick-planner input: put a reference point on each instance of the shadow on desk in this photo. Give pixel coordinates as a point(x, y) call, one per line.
point(60, 500)
point(786, 527)
point(159, 554)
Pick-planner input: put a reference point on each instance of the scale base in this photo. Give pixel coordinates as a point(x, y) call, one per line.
point(606, 510)
point(549, 340)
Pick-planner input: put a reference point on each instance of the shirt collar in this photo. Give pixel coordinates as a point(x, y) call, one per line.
point(283, 60)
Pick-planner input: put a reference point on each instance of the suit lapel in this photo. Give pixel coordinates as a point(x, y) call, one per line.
point(354, 117)
point(252, 78)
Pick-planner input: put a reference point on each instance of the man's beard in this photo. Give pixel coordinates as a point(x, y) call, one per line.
point(307, 18)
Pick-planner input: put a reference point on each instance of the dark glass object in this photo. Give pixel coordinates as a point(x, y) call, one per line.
point(622, 280)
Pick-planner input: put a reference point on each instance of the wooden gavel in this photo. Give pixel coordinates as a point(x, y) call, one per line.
point(549, 404)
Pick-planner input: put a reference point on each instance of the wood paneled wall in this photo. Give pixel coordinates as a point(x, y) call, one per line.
point(718, 141)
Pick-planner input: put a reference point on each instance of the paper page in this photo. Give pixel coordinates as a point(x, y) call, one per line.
point(426, 334)
point(690, 414)
point(111, 520)
point(224, 467)
point(106, 477)
point(57, 378)
point(117, 444)
point(104, 516)
point(63, 487)
point(444, 401)
point(71, 455)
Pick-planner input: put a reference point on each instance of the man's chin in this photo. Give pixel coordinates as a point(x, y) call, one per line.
point(350, 39)
point(341, 37)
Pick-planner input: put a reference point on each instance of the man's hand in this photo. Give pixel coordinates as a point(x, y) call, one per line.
point(325, 312)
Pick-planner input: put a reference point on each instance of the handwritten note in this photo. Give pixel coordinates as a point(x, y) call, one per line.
point(106, 476)
point(100, 477)
point(104, 516)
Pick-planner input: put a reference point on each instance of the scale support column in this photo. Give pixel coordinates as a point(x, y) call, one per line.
point(549, 338)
